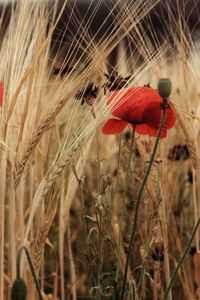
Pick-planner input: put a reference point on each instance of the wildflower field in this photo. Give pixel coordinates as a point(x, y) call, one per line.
point(99, 150)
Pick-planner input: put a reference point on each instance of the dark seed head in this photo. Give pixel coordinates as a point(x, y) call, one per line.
point(127, 136)
point(125, 248)
point(115, 82)
point(88, 94)
point(193, 250)
point(137, 153)
point(147, 85)
point(179, 152)
point(190, 177)
point(19, 290)
point(158, 257)
point(115, 172)
point(157, 251)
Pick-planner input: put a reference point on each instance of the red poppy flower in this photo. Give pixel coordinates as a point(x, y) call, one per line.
point(139, 106)
point(1, 93)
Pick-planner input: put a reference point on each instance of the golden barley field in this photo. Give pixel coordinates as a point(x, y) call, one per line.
point(99, 168)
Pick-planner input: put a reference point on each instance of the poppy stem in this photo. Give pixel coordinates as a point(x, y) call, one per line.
point(37, 285)
point(164, 109)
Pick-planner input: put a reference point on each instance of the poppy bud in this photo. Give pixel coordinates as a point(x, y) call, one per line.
point(19, 289)
point(164, 87)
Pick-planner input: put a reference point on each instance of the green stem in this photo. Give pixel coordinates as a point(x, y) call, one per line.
point(187, 249)
point(140, 196)
point(99, 220)
point(37, 285)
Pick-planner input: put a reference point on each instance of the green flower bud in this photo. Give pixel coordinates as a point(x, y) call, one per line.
point(164, 87)
point(19, 290)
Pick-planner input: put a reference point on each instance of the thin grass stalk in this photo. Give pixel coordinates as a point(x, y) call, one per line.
point(195, 206)
point(164, 227)
point(67, 197)
point(98, 162)
point(155, 283)
point(99, 215)
point(3, 165)
point(61, 243)
point(74, 182)
point(20, 201)
point(149, 226)
point(121, 221)
point(117, 177)
point(72, 266)
point(12, 220)
point(42, 276)
point(139, 199)
point(55, 289)
point(122, 255)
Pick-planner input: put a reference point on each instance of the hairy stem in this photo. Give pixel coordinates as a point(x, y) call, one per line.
point(140, 196)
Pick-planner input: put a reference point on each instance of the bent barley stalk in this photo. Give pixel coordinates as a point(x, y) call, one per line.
point(42, 127)
point(52, 174)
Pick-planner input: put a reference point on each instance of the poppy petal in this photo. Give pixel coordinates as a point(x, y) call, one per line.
point(170, 117)
point(153, 113)
point(154, 132)
point(114, 126)
point(142, 129)
point(151, 131)
point(130, 103)
point(141, 106)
